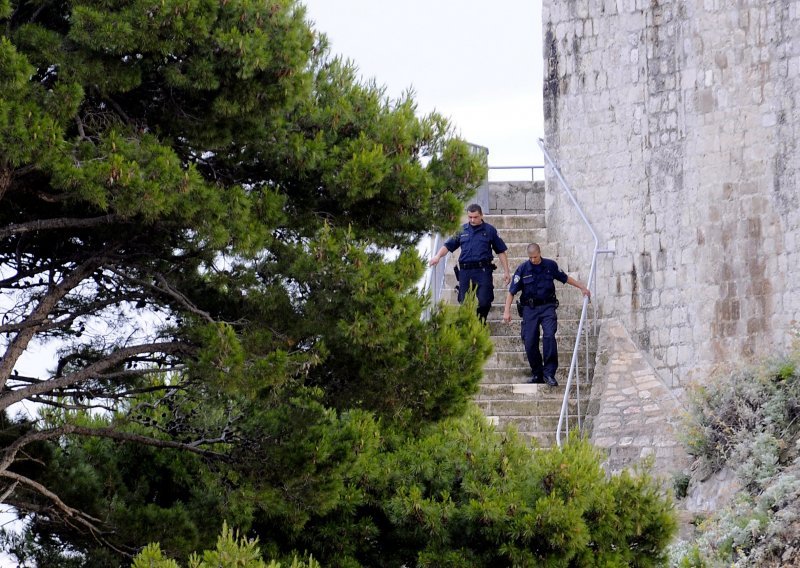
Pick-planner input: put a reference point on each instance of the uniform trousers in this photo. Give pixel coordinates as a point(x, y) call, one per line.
point(481, 280)
point(543, 363)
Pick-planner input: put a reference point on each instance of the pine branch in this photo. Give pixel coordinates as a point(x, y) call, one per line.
point(92, 371)
point(90, 309)
point(114, 434)
point(7, 493)
point(83, 519)
point(11, 451)
point(38, 317)
point(53, 399)
point(71, 516)
point(165, 288)
point(57, 224)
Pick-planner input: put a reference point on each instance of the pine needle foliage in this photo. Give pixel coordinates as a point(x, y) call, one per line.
point(232, 551)
point(462, 494)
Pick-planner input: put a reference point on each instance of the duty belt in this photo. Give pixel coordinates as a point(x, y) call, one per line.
point(533, 302)
point(473, 265)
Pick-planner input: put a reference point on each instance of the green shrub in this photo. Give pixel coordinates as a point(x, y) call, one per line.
point(232, 551)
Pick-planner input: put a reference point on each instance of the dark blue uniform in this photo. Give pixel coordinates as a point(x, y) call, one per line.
point(475, 262)
point(535, 281)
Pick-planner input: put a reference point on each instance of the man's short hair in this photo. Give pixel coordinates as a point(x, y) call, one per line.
point(474, 208)
point(533, 247)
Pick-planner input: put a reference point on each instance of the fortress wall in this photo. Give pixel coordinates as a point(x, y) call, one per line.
point(677, 125)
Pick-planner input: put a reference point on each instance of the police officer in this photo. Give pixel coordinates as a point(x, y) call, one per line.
point(534, 278)
point(477, 241)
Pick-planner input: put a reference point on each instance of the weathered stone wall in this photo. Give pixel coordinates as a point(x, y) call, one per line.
point(516, 197)
point(676, 123)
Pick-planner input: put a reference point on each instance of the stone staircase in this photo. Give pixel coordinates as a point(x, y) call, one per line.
point(506, 396)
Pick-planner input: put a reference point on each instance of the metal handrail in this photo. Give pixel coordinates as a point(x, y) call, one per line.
point(531, 168)
point(434, 275)
point(584, 308)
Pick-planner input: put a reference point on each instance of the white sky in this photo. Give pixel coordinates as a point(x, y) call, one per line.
point(478, 63)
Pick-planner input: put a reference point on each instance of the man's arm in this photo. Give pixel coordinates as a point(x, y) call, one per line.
point(572, 282)
point(507, 309)
point(438, 256)
point(503, 256)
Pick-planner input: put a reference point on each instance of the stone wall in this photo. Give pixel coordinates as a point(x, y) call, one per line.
point(516, 197)
point(676, 123)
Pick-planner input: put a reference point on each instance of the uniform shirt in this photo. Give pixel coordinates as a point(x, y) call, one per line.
point(536, 280)
point(476, 242)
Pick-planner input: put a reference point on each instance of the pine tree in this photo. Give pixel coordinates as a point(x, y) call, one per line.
point(195, 202)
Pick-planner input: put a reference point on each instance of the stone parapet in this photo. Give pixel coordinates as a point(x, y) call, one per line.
point(632, 414)
point(516, 197)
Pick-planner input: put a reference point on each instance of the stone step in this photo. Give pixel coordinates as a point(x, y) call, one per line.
point(525, 236)
point(538, 438)
point(518, 250)
point(542, 429)
point(542, 417)
point(567, 327)
point(569, 308)
point(530, 423)
point(522, 407)
point(529, 221)
point(521, 390)
point(525, 391)
point(522, 374)
point(542, 440)
point(506, 359)
point(568, 305)
point(524, 422)
point(514, 343)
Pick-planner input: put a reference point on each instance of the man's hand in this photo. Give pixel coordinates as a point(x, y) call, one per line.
point(507, 278)
point(434, 261)
point(507, 316)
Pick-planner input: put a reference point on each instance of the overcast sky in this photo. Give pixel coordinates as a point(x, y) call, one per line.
point(478, 63)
